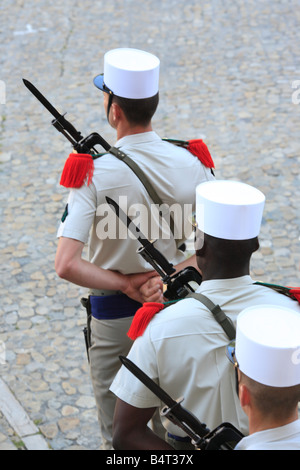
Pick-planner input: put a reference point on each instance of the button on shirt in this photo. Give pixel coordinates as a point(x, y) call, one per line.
point(173, 171)
point(183, 350)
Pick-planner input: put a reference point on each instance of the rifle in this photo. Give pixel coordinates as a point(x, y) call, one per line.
point(79, 143)
point(224, 437)
point(178, 285)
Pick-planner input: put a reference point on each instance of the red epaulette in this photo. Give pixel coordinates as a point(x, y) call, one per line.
point(292, 292)
point(142, 318)
point(198, 148)
point(78, 169)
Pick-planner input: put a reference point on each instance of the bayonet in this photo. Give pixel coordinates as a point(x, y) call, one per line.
point(173, 409)
point(224, 437)
point(149, 383)
point(79, 143)
point(42, 99)
point(178, 285)
point(148, 251)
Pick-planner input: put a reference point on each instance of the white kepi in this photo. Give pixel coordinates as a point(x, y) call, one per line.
point(229, 209)
point(129, 73)
point(267, 345)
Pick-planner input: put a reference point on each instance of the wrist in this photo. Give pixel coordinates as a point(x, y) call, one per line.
point(123, 282)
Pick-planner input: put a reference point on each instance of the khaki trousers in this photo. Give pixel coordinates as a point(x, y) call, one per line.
point(109, 340)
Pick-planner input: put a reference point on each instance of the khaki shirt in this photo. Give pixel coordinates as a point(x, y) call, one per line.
point(184, 350)
point(173, 171)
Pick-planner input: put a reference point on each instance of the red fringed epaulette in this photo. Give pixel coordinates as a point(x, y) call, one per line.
point(295, 293)
point(142, 318)
point(292, 292)
point(78, 169)
point(198, 148)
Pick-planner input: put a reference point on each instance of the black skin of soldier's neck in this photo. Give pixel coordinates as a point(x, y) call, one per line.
point(225, 259)
point(212, 271)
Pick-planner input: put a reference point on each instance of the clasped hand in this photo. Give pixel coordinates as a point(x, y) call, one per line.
point(144, 287)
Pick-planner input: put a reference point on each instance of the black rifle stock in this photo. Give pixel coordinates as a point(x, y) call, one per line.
point(178, 285)
point(224, 437)
point(79, 143)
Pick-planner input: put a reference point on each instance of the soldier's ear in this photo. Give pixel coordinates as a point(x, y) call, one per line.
point(244, 396)
point(116, 112)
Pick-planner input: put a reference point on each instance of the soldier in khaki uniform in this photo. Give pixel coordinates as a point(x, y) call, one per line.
point(267, 361)
point(114, 273)
point(183, 348)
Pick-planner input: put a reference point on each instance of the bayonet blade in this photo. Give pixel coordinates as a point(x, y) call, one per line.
point(174, 412)
point(128, 222)
point(41, 98)
point(149, 383)
point(155, 255)
point(64, 125)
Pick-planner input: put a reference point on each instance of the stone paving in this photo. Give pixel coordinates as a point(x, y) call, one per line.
point(227, 75)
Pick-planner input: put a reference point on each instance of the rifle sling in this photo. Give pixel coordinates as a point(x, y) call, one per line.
point(218, 314)
point(142, 177)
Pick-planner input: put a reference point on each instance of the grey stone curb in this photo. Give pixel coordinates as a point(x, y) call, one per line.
point(19, 420)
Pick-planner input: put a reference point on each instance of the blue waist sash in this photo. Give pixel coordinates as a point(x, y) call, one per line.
point(111, 307)
point(179, 438)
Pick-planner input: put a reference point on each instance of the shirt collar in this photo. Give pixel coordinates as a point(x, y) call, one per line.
point(138, 138)
point(226, 283)
point(270, 435)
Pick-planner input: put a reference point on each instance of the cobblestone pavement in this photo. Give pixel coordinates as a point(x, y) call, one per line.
point(227, 75)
